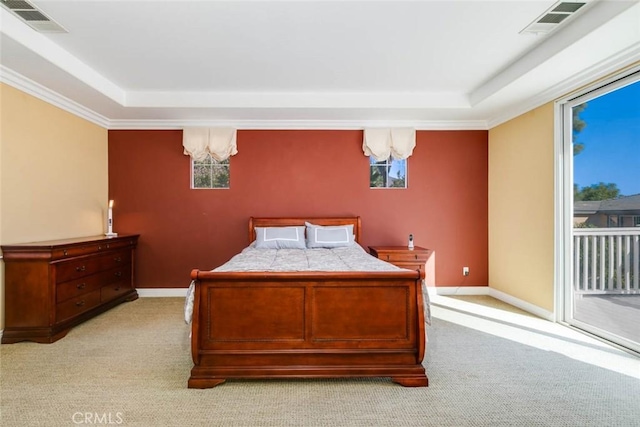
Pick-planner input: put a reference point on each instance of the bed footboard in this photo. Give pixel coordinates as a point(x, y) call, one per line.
point(307, 325)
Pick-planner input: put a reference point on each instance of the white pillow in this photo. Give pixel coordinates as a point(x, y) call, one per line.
point(333, 236)
point(280, 238)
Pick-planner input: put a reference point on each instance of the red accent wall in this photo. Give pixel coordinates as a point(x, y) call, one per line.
point(298, 173)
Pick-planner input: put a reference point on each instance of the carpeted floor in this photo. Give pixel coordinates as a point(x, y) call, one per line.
point(488, 365)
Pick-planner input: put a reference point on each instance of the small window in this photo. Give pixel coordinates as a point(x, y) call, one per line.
point(390, 173)
point(210, 173)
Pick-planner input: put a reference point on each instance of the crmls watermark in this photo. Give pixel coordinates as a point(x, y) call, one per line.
point(94, 418)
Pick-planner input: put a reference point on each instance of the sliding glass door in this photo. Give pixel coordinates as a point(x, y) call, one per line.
point(601, 152)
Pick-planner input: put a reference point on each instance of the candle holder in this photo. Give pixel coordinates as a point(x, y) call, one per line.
point(110, 232)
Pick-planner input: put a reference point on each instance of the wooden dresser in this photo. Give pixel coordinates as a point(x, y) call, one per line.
point(53, 286)
point(402, 256)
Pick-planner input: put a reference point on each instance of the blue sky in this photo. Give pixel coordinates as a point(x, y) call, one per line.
point(612, 141)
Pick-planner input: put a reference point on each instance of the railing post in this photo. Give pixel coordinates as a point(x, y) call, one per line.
point(636, 262)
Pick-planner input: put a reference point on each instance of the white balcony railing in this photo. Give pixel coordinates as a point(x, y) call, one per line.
point(606, 260)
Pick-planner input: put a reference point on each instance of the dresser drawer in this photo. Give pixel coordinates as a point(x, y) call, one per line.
point(77, 287)
point(91, 248)
point(114, 290)
point(77, 251)
point(75, 306)
point(86, 266)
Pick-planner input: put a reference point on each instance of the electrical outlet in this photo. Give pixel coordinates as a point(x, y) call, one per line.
point(465, 271)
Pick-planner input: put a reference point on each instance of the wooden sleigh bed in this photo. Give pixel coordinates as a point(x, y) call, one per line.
point(317, 324)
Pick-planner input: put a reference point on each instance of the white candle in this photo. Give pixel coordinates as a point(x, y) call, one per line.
point(110, 218)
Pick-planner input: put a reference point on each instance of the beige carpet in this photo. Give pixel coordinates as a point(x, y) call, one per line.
point(130, 366)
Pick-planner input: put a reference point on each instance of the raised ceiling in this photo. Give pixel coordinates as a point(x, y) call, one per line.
point(311, 64)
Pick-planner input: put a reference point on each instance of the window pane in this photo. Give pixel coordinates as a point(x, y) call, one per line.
point(398, 174)
point(201, 176)
point(378, 176)
point(220, 176)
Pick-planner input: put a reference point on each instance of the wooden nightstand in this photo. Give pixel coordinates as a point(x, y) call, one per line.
point(401, 256)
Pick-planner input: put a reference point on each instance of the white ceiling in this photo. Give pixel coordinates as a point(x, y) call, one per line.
point(311, 64)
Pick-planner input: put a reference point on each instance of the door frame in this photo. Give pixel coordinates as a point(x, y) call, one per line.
point(563, 206)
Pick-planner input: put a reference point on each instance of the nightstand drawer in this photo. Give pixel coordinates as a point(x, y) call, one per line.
point(414, 265)
point(403, 257)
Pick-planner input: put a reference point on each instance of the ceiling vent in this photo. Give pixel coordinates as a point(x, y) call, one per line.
point(33, 17)
point(553, 17)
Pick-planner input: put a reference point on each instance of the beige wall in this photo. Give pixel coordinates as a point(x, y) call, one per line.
point(53, 173)
point(521, 207)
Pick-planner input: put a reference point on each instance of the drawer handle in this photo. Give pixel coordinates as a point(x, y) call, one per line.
point(81, 285)
point(108, 246)
point(65, 252)
point(118, 273)
point(117, 259)
point(80, 303)
point(388, 257)
point(99, 247)
point(83, 268)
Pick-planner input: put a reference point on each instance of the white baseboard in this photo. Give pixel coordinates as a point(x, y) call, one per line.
point(162, 292)
point(499, 295)
point(522, 305)
point(458, 290)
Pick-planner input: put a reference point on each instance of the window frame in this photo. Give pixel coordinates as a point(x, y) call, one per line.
point(212, 165)
point(388, 163)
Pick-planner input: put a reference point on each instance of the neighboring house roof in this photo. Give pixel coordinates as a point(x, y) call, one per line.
point(586, 208)
point(624, 204)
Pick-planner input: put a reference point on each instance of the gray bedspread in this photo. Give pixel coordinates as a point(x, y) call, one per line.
point(350, 258)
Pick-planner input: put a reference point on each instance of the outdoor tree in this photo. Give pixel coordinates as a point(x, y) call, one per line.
point(578, 125)
point(600, 191)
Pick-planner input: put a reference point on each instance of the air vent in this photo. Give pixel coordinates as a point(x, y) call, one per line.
point(553, 17)
point(33, 17)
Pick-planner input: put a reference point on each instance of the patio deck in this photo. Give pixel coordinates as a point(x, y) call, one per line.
point(617, 313)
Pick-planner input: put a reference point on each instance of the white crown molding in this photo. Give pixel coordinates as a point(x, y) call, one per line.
point(26, 85)
point(42, 46)
point(613, 64)
point(604, 17)
point(298, 124)
point(619, 61)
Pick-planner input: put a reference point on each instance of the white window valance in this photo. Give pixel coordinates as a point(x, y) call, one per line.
point(220, 143)
point(380, 143)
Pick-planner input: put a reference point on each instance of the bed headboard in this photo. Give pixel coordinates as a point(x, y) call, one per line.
point(284, 222)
